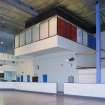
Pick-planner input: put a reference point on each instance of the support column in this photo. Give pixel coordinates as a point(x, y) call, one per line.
point(98, 43)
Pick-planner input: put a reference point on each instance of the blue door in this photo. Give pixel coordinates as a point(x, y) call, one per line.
point(28, 78)
point(17, 78)
point(45, 78)
point(21, 78)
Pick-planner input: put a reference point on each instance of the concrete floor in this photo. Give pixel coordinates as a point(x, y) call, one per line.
point(23, 98)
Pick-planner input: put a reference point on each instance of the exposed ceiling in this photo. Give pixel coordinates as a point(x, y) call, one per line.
point(6, 42)
point(12, 19)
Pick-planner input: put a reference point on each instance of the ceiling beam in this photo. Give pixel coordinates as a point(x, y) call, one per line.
point(22, 6)
point(4, 20)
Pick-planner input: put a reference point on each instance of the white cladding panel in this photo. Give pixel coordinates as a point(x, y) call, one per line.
point(87, 75)
point(35, 33)
point(85, 38)
point(33, 87)
point(103, 75)
point(92, 90)
point(28, 35)
point(53, 26)
point(16, 41)
point(44, 29)
point(22, 38)
point(79, 35)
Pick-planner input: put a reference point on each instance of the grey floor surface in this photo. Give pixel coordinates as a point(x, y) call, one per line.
point(24, 98)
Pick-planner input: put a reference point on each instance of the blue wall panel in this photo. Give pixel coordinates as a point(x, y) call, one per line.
point(91, 42)
point(45, 78)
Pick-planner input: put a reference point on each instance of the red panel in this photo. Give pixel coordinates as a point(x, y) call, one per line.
point(74, 33)
point(60, 27)
point(68, 30)
point(71, 32)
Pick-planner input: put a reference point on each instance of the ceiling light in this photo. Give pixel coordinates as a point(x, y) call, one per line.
point(1, 42)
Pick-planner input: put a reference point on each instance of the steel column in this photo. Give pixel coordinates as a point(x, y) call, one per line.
point(98, 43)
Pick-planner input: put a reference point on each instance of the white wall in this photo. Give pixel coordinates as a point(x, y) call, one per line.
point(24, 67)
point(56, 67)
point(86, 60)
point(90, 90)
point(87, 76)
point(37, 46)
point(30, 87)
point(55, 64)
